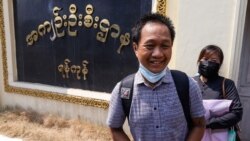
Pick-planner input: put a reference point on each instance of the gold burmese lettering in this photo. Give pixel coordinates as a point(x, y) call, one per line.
point(68, 70)
point(52, 38)
point(58, 22)
point(88, 19)
point(115, 33)
point(124, 39)
point(56, 27)
point(72, 20)
point(77, 70)
point(64, 68)
point(104, 27)
point(32, 37)
point(44, 28)
point(85, 69)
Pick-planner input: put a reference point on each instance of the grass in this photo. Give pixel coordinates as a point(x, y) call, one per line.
point(31, 126)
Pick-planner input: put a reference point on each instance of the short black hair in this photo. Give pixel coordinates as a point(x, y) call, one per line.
point(152, 17)
point(210, 50)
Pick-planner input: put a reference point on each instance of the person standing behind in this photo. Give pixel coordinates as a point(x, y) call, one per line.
point(211, 84)
point(156, 112)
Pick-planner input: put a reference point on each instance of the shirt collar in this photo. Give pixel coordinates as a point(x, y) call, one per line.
point(166, 79)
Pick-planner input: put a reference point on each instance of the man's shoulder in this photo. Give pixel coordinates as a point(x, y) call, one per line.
point(180, 76)
point(177, 71)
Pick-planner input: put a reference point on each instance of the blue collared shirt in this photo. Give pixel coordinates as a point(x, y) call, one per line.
point(156, 113)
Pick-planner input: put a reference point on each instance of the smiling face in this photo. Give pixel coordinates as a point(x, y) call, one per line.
point(154, 48)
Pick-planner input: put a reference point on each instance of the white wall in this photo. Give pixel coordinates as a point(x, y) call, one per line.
point(199, 23)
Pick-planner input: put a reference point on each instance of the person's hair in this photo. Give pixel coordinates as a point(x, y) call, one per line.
point(152, 17)
point(209, 50)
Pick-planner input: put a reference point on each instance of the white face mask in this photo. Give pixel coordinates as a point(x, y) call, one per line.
point(151, 77)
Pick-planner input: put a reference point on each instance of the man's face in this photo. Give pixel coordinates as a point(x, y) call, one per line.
point(154, 48)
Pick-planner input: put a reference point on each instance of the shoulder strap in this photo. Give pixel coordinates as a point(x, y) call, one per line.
point(126, 93)
point(223, 88)
point(182, 86)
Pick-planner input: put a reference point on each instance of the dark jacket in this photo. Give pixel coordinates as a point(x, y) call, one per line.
point(212, 89)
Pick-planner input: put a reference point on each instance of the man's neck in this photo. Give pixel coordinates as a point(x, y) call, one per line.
point(151, 85)
point(203, 79)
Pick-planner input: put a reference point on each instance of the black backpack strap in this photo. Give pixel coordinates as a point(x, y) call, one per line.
point(126, 93)
point(182, 86)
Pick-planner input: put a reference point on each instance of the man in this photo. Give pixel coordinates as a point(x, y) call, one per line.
point(156, 112)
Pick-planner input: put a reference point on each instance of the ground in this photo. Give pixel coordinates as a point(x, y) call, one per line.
point(31, 126)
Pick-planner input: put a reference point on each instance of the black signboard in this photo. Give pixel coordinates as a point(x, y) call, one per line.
point(82, 44)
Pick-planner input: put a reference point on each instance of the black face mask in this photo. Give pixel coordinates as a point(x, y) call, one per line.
point(209, 69)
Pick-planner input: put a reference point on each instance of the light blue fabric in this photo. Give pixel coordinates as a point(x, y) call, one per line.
point(197, 74)
point(151, 77)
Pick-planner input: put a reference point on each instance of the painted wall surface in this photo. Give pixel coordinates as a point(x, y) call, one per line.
point(200, 23)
